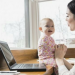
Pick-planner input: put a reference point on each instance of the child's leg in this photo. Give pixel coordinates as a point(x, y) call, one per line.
point(48, 72)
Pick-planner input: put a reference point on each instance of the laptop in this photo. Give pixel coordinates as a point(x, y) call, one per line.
point(11, 62)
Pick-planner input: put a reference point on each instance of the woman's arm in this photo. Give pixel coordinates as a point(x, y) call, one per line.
point(60, 51)
point(67, 64)
point(59, 62)
point(62, 64)
point(60, 57)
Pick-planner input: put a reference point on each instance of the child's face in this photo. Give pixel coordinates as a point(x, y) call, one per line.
point(47, 27)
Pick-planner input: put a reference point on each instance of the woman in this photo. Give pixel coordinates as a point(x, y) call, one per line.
point(64, 67)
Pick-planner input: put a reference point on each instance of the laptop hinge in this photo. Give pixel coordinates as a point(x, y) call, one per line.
point(13, 65)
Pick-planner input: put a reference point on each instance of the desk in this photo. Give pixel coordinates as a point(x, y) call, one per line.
point(30, 56)
point(30, 73)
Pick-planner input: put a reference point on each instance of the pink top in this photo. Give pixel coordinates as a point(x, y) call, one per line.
point(45, 47)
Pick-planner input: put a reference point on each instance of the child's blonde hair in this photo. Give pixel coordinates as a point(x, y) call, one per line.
point(44, 19)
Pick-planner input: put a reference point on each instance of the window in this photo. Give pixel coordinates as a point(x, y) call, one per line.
point(14, 23)
point(56, 10)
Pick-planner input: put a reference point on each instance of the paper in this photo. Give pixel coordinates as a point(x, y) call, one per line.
point(9, 73)
point(71, 60)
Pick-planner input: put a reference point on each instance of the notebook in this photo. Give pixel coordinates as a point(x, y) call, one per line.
point(11, 62)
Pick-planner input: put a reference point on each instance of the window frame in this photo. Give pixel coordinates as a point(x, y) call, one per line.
point(27, 24)
point(34, 24)
point(33, 10)
point(37, 22)
point(27, 27)
point(31, 25)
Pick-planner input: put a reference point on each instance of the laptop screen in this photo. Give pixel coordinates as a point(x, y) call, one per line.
point(7, 53)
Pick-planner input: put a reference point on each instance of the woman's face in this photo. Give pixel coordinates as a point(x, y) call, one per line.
point(70, 18)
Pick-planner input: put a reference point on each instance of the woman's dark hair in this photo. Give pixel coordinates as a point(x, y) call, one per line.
point(71, 6)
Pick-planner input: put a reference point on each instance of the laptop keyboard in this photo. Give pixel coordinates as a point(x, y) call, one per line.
point(22, 66)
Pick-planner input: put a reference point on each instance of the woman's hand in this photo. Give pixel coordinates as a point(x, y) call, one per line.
point(60, 51)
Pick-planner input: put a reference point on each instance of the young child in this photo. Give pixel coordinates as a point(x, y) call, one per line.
point(46, 44)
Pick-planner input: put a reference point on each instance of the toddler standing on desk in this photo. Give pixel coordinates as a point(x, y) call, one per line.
point(46, 44)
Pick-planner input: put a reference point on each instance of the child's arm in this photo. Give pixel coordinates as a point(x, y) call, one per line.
point(42, 46)
point(67, 64)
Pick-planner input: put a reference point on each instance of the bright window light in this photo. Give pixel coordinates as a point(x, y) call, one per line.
point(12, 22)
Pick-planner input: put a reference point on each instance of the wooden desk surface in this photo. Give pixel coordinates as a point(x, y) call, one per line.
point(30, 73)
point(22, 56)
